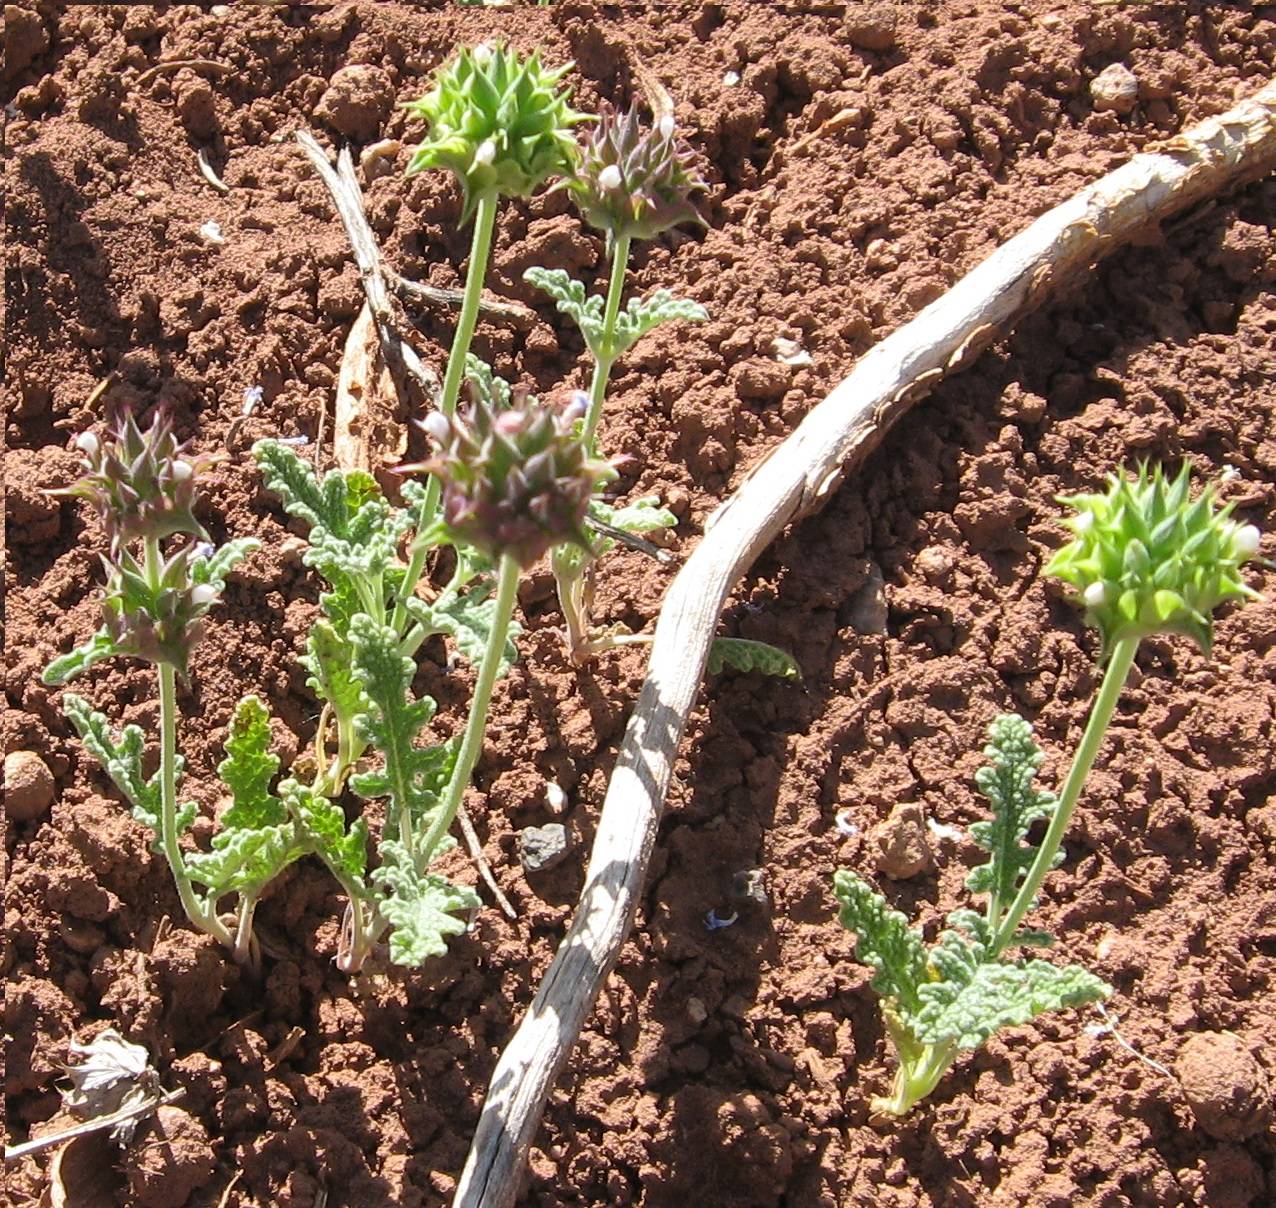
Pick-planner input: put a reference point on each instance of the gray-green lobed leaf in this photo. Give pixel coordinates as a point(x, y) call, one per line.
point(740, 654)
point(421, 908)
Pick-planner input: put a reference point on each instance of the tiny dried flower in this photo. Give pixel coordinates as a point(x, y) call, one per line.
point(1147, 559)
point(635, 181)
point(515, 481)
point(141, 484)
point(499, 121)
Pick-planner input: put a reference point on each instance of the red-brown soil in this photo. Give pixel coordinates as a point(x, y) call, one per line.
point(861, 163)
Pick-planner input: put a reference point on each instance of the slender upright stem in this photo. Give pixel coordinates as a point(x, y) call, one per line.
point(1113, 681)
point(607, 356)
point(204, 919)
point(475, 273)
point(476, 723)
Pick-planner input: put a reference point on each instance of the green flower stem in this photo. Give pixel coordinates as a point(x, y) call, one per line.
point(203, 918)
point(606, 359)
point(472, 743)
point(476, 272)
point(1114, 678)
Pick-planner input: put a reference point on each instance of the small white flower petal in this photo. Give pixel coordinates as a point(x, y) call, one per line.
point(182, 470)
point(1246, 540)
point(486, 153)
point(204, 593)
point(87, 443)
point(1096, 595)
point(610, 177)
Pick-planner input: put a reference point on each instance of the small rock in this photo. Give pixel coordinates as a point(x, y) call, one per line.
point(935, 564)
point(790, 352)
point(871, 26)
point(696, 1011)
point(758, 381)
point(903, 843)
point(196, 105)
point(1115, 88)
point(542, 847)
point(377, 159)
point(749, 885)
point(867, 610)
point(1225, 1086)
point(357, 101)
point(28, 785)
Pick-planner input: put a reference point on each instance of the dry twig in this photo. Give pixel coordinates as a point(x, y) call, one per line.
point(1059, 247)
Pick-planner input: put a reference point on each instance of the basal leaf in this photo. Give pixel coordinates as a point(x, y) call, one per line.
point(303, 495)
point(493, 389)
point(884, 940)
point(421, 908)
point(412, 776)
point(743, 655)
point(321, 827)
point(213, 568)
point(248, 769)
point(569, 294)
point(974, 999)
point(638, 516)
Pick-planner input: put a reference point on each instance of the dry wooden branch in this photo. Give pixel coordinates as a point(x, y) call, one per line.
point(1058, 247)
point(97, 1124)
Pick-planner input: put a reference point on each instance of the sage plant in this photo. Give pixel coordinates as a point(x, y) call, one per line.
point(143, 487)
point(631, 182)
point(1145, 558)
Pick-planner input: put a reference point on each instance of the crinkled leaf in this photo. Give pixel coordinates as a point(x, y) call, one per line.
point(249, 767)
point(493, 389)
point(569, 294)
point(243, 859)
point(214, 568)
point(255, 841)
point(642, 316)
point(329, 659)
point(122, 760)
point(743, 655)
point(65, 667)
point(321, 826)
point(973, 999)
point(884, 940)
point(643, 515)
point(420, 907)
point(467, 620)
point(1016, 804)
point(303, 495)
point(412, 777)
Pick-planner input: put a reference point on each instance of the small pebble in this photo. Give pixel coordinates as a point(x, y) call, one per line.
point(28, 786)
point(1115, 88)
point(542, 847)
point(1224, 1085)
point(902, 841)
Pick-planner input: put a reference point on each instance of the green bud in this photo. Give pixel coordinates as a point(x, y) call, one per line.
point(1145, 559)
point(499, 121)
point(635, 180)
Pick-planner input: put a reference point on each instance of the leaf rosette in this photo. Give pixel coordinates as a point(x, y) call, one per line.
point(1148, 559)
point(499, 121)
point(516, 481)
point(141, 484)
point(635, 181)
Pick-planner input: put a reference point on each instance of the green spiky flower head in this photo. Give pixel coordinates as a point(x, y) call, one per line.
point(499, 121)
point(141, 484)
point(518, 480)
point(1148, 559)
point(635, 180)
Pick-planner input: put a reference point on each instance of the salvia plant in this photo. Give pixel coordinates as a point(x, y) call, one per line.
point(509, 480)
point(142, 485)
point(1145, 558)
point(631, 181)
